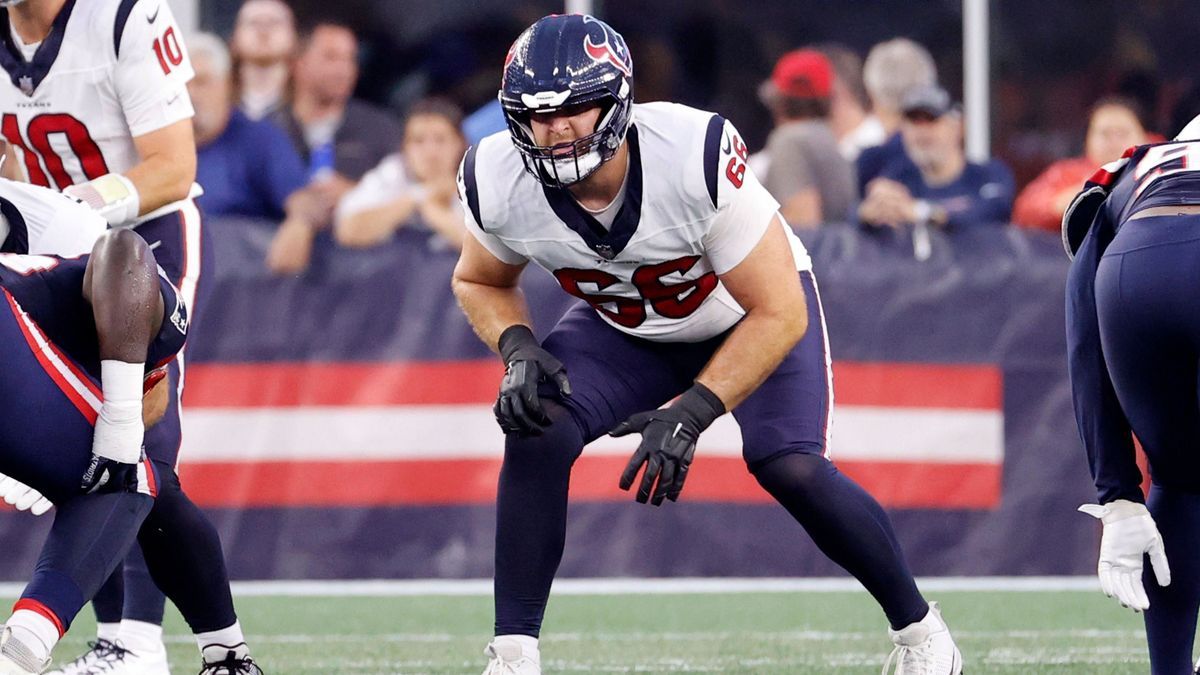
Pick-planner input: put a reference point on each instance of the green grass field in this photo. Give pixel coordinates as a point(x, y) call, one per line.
point(795, 632)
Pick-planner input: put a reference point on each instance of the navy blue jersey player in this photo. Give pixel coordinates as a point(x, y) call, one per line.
point(695, 290)
point(1134, 345)
point(81, 340)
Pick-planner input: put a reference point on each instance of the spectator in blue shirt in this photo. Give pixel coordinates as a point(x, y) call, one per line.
point(247, 168)
point(936, 185)
point(892, 69)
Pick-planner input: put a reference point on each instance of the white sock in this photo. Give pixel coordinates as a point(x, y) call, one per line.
point(216, 645)
point(140, 637)
point(34, 631)
point(529, 645)
point(108, 631)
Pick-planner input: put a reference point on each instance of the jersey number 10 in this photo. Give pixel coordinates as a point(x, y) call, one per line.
point(40, 128)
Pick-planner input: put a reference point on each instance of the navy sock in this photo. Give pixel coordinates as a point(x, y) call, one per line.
point(1171, 619)
point(531, 520)
point(849, 526)
point(184, 556)
point(109, 601)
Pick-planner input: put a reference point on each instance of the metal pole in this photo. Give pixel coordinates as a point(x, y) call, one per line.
point(976, 80)
point(580, 7)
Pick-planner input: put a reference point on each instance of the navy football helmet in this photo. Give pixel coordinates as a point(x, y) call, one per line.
point(561, 61)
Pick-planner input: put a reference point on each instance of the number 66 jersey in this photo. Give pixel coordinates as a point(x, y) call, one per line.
point(690, 209)
point(109, 71)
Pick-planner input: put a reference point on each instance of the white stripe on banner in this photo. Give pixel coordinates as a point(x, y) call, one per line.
point(469, 431)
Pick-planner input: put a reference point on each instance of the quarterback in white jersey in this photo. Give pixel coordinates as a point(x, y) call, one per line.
point(700, 298)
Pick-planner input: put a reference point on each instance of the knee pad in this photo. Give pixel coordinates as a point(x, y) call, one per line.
point(562, 441)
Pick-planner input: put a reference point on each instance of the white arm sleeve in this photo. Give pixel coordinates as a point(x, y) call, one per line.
point(153, 69)
point(744, 207)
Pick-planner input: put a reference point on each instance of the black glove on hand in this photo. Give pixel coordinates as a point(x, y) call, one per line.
point(518, 409)
point(668, 442)
point(109, 475)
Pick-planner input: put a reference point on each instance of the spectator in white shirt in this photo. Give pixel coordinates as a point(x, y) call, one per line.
point(414, 187)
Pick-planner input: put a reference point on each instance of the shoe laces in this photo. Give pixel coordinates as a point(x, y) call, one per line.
point(108, 656)
point(232, 665)
point(498, 665)
point(911, 660)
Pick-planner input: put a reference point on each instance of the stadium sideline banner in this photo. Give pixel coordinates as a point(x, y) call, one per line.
point(339, 425)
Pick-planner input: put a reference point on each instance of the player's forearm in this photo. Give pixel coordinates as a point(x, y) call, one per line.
point(122, 285)
point(445, 221)
point(752, 352)
point(162, 179)
point(490, 309)
point(370, 227)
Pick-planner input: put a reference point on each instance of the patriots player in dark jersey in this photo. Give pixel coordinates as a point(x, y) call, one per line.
point(86, 343)
point(1134, 345)
point(81, 339)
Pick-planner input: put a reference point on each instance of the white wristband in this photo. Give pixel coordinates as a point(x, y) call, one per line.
point(112, 195)
point(119, 429)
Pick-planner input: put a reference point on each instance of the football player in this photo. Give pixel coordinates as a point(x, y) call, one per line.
point(1134, 339)
point(82, 340)
point(697, 294)
point(94, 103)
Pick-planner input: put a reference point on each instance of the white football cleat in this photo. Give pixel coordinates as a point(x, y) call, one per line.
point(16, 658)
point(111, 658)
point(924, 648)
point(97, 651)
point(505, 657)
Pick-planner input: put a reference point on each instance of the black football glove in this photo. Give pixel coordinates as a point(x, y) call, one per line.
point(518, 409)
point(668, 442)
point(109, 475)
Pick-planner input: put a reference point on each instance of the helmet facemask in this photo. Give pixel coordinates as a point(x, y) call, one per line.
point(570, 162)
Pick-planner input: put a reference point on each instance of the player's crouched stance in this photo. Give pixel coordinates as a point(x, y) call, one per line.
point(84, 343)
point(698, 292)
point(1133, 336)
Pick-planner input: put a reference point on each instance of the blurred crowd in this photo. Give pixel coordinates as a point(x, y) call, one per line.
point(281, 137)
point(876, 141)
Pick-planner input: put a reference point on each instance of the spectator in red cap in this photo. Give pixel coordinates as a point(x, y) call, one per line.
point(807, 174)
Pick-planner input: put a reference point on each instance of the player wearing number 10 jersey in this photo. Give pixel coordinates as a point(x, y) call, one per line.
point(93, 102)
point(696, 291)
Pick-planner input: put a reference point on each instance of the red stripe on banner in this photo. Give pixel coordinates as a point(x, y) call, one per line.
point(918, 385)
point(260, 385)
point(441, 482)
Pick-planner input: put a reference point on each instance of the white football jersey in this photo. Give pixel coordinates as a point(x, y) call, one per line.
point(109, 71)
point(39, 221)
point(692, 210)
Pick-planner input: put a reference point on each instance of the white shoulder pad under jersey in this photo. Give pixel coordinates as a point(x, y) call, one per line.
point(693, 210)
point(109, 71)
point(39, 221)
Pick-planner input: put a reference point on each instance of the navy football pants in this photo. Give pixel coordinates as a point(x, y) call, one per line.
point(1147, 286)
point(783, 423)
point(46, 442)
